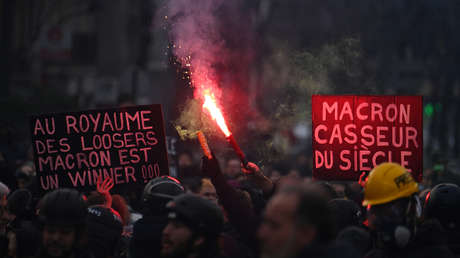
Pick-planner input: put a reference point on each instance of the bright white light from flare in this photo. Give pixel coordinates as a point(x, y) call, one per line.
point(216, 114)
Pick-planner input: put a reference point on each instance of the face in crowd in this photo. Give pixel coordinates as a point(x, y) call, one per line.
point(178, 240)
point(193, 228)
point(59, 240)
point(279, 234)
point(208, 191)
point(233, 169)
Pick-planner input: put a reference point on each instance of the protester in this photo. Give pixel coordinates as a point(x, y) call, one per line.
point(390, 192)
point(207, 190)
point(186, 165)
point(297, 223)
point(345, 213)
point(23, 179)
point(443, 204)
point(327, 190)
point(192, 184)
point(234, 212)
point(62, 216)
point(19, 207)
point(21, 232)
point(237, 206)
point(146, 240)
point(357, 237)
point(233, 168)
point(104, 231)
point(193, 228)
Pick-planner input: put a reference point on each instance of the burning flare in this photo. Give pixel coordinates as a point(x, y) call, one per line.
point(204, 144)
point(216, 114)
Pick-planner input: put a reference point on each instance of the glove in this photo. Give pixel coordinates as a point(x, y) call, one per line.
point(210, 167)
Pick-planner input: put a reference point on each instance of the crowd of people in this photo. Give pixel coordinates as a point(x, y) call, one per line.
point(235, 211)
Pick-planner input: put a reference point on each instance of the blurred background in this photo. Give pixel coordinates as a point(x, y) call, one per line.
point(70, 55)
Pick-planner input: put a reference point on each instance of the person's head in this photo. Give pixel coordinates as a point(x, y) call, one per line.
point(20, 204)
point(207, 190)
point(104, 231)
point(95, 198)
point(254, 196)
point(294, 173)
point(274, 175)
point(185, 159)
point(233, 168)
point(354, 191)
point(345, 213)
point(390, 193)
point(327, 190)
point(443, 204)
point(158, 192)
point(192, 184)
point(62, 215)
point(193, 228)
point(294, 218)
point(23, 179)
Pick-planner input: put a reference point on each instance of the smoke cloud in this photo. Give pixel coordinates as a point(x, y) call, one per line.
point(210, 41)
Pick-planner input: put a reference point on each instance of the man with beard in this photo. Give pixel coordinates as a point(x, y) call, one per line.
point(193, 229)
point(62, 214)
point(147, 231)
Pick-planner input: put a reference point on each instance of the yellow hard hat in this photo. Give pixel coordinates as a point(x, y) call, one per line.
point(388, 182)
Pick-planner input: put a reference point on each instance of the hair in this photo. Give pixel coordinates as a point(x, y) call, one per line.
point(192, 184)
point(95, 198)
point(119, 204)
point(312, 210)
point(205, 182)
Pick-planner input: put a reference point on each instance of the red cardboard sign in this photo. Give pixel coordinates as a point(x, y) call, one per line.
point(353, 134)
point(75, 149)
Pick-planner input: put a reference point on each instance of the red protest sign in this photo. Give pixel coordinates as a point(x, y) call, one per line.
point(353, 134)
point(76, 149)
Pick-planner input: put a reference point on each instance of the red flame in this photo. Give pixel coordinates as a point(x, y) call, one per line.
point(210, 104)
point(206, 89)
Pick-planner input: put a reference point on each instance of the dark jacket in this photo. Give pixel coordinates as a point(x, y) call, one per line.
point(82, 253)
point(332, 250)
point(146, 240)
point(430, 241)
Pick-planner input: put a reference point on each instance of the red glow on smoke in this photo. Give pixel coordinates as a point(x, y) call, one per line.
point(208, 92)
